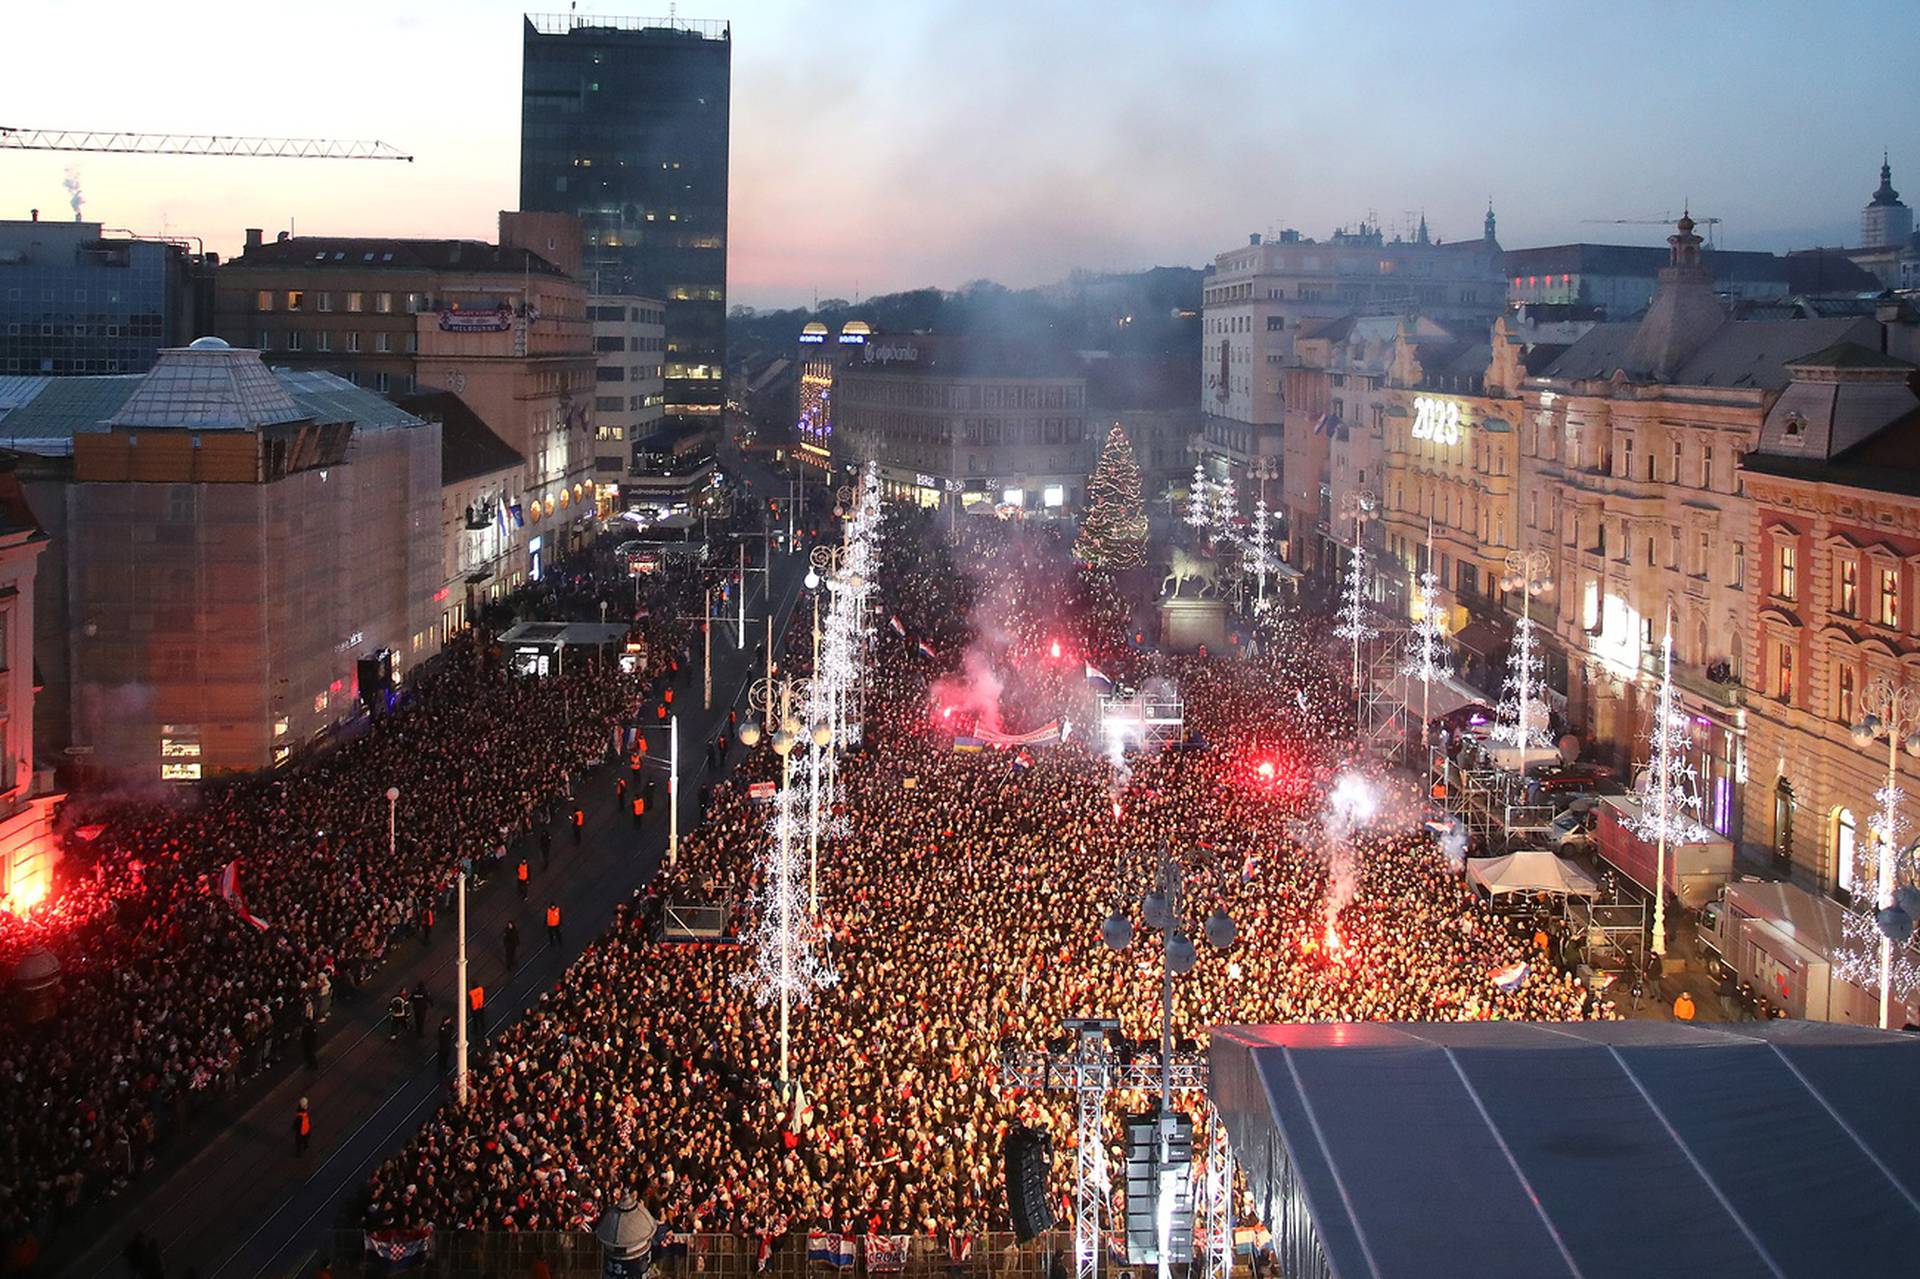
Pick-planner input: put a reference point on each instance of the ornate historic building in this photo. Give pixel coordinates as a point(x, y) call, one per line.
point(1833, 556)
point(1631, 444)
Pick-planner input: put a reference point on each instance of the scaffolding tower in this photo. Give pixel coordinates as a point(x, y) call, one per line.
point(1491, 802)
point(1090, 1069)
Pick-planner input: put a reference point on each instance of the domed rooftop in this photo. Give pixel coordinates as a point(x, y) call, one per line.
point(860, 327)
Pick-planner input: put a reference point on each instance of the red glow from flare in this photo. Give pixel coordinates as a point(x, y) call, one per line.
point(946, 712)
point(1336, 949)
point(1266, 769)
point(1056, 650)
point(1116, 810)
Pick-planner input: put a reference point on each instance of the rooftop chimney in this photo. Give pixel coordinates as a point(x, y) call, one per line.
point(253, 237)
point(36, 215)
point(283, 237)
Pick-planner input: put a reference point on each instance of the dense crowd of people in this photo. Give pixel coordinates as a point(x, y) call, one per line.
point(170, 996)
point(962, 910)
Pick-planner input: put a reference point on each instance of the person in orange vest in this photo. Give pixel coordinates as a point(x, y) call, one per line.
point(669, 696)
point(477, 1011)
point(302, 1128)
point(579, 825)
point(553, 922)
point(639, 809)
point(619, 790)
point(426, 923)
point(1683, 1007)
point(522, 874)
point(660, 712)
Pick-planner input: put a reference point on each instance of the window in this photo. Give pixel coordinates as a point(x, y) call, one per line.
point(1887, 611)
point(294, 298)
point(1783, 806)
point(326, 302)
point(263, 341)
point(1706, 466)
point(1626, 458)
point(263, 300)
point(323, 340)
point(294, 340)
point(1847, 588)
point(1737, 576)
point(383, 303)
point(356, 302)
point(1674, 475)
point(1844, 833)
point(1783, 672)
point(383, 342)
point(1843, 694)
point(1786, 570)
point(353, 342)
point(381, 383)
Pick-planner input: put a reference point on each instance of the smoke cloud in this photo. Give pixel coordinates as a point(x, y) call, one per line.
point(72, 183)
point(1350, 805)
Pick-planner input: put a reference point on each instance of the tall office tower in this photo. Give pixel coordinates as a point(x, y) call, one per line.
point(623, 123)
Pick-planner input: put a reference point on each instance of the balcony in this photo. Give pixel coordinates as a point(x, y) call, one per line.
point(1692, 679)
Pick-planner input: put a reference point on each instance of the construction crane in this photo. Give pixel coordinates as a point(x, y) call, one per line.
point(13, 138)
point(1665, 219)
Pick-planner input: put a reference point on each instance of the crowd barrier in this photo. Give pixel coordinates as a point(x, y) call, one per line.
point(473, 1254)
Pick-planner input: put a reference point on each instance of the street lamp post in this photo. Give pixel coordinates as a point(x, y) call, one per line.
point(786, 971)
point(1160, 910)
point(460, 994)
point(1891, 711)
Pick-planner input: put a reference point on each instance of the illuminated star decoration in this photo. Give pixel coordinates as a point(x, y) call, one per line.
point(1672, 795)
point(1525, 694)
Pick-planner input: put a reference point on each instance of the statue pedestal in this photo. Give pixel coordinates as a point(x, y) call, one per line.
point(1189, 624)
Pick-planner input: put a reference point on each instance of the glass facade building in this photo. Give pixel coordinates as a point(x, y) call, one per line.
point(73, 302)
point(624, 124)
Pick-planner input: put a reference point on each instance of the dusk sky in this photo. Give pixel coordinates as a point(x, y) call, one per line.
point(883, 146)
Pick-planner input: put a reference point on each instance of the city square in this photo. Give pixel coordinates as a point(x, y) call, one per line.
point(1382, 753)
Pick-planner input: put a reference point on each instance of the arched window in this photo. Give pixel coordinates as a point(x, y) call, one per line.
point(1783, 825)
point(1843, 836)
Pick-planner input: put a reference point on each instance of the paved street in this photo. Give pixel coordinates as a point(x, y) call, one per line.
point(242, 1204)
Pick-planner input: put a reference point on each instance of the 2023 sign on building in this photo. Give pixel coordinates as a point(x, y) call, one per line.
point(1437, 420)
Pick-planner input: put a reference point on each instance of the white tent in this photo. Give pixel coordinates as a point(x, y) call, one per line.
point(1531, 870)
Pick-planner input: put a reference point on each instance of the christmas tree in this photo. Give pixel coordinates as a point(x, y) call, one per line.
point(1114, 532)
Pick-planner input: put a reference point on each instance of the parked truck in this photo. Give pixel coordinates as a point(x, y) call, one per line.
point(1787, 944)
point(1695, 871)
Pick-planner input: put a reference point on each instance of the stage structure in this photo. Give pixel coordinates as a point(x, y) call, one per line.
point(1148, 719)
point(1088, 1066)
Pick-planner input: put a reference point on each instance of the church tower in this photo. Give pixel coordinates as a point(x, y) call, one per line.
point(1885, 223)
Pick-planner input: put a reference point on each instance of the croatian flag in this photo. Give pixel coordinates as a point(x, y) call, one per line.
point(959, 1248)
point(230, 892)
point(886, 1254)
point(401, 1249)
point(1097, 678)
point(1022, 760)
point(830, 1249)
point(1510, 979)
point(899, 627)
point(926, 651)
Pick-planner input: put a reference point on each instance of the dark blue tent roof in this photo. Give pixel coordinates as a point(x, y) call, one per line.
point(1582, 1149)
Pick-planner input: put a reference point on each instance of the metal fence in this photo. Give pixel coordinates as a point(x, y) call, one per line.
point(476, 1254)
